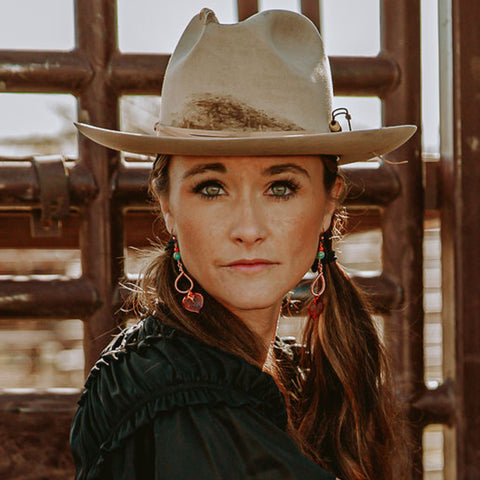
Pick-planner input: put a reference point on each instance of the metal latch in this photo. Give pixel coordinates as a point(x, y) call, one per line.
point(54, 198)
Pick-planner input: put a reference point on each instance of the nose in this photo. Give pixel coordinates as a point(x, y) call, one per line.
point(248, 222)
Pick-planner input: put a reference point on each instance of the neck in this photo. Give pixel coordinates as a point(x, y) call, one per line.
point(263, 322)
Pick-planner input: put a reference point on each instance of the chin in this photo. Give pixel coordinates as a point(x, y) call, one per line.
point(245, 303)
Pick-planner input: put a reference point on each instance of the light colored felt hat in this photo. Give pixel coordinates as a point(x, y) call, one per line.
point(259, 87)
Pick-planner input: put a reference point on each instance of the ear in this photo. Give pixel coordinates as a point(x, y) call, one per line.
point(332, 202)
point(167, 214)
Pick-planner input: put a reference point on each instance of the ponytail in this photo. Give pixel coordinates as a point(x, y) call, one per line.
point(344, 413)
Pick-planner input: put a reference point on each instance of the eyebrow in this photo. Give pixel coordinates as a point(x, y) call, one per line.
point(285, 167)
point(205, 167)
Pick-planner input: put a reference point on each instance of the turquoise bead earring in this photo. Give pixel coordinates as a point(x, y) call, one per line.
point(319, 257)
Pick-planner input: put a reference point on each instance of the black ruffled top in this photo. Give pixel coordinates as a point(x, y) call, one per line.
point(160, 404)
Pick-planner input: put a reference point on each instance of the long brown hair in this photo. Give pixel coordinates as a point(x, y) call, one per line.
point(343, 415)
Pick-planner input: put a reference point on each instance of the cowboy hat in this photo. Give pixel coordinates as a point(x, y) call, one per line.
point(258, 87)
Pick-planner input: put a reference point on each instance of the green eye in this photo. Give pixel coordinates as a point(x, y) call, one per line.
point(280, 190)
point(212, 190)
point(283, 190)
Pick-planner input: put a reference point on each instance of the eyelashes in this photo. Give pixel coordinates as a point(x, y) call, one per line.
point(279, 189)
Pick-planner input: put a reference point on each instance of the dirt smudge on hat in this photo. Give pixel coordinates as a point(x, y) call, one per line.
point(213, 112)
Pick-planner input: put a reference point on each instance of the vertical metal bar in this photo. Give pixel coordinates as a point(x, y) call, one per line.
point(460, 176)
point(447, 197)
point(101, 229)
point(311, 9)
point(403, 220)
point(246, 8)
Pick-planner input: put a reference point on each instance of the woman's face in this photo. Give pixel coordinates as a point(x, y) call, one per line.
point(247, 227)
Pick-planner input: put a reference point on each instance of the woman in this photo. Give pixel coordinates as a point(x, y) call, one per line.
point(247, 181)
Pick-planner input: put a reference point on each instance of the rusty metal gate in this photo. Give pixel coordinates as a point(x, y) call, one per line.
point(90, 194)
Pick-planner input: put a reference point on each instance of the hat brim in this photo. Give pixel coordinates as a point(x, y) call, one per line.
point(352, 146)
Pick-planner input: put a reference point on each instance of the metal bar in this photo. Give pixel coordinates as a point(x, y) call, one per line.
point(447, 199)
point(15, 231)
point(138, 74)
point(140, 225)
point(403, 219)
point(38, 401)
point(101, 228)
point(436, 406)
point(52, 297)
point(382, 293)
point(37, 71)
point(432, 185)
point(364, 76)
point(460, 174)
point(370, 185)
point(20, 186)
point(311, 10)
point(246, 8)
point(142, 74)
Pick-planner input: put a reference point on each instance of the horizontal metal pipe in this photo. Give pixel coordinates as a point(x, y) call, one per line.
point(52, 297)
point(43, 71)
point(435, 406)
point(143, 74)
point(382, 293)
point(15, 231)
point(138, 74)
point(131, 183)
point(19, 185)
point(246, 8)
point(39, 401)
point(364, 76)
point(68, 72)
point(369, 184)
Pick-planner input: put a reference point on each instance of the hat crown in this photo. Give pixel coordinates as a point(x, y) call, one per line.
point(269, 72)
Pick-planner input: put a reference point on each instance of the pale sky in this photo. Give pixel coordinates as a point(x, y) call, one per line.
point(348, 28)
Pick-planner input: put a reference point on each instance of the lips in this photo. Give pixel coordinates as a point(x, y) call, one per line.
point(250, 265)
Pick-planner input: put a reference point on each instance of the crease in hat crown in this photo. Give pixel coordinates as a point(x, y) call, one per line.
point(262, 86)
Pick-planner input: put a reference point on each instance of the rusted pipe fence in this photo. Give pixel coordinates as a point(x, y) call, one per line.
point(371, 185)
point(142, 74)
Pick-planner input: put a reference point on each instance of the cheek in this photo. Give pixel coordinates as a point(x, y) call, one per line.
point(298, 235)
point(300, 244)
point(198, 238)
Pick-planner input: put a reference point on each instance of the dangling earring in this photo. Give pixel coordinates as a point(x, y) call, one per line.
point(320, 256)
point(318, 285)
point(192, 301)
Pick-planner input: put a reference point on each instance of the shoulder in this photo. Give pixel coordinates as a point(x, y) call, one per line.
point(152, 368)
point(151, 360)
